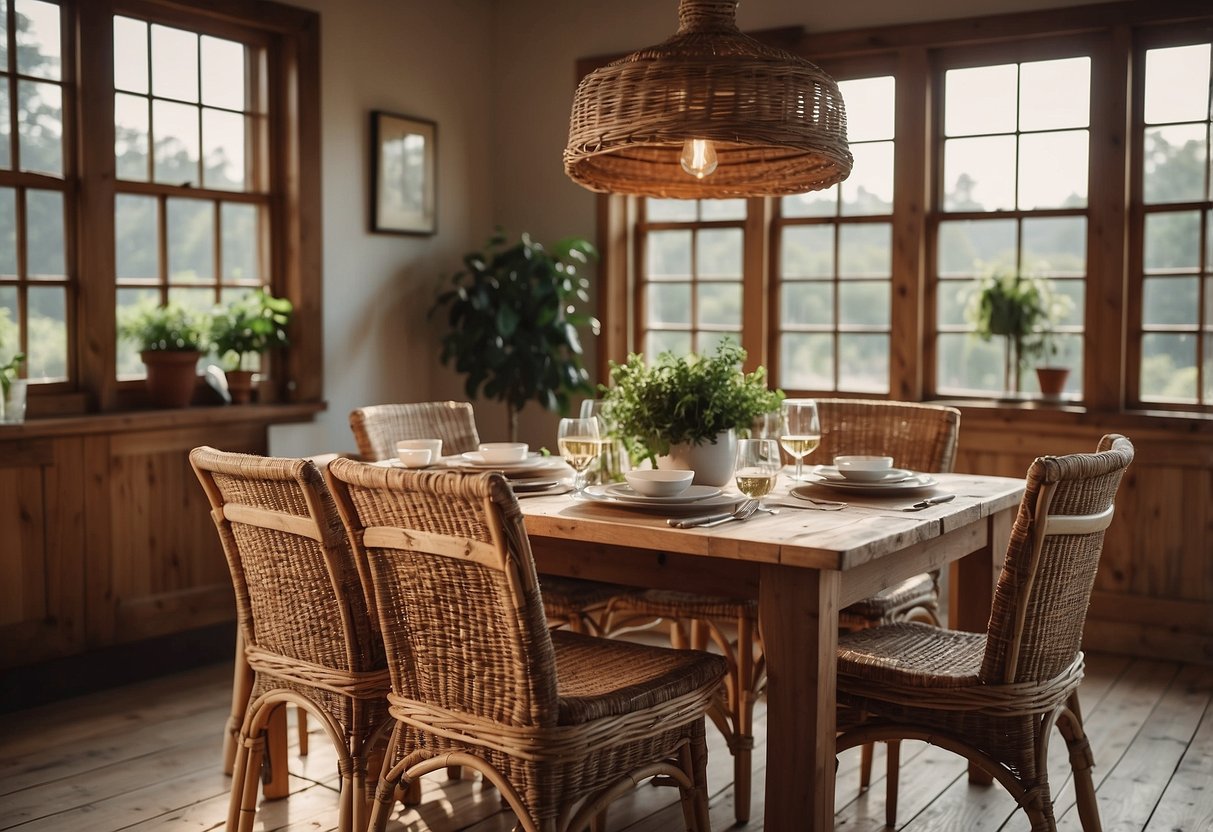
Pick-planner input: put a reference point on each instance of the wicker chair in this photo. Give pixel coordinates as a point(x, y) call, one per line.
point(560, 722)
point(569, 602)
point(994, 697)
point(308, 639)
point(921, 437)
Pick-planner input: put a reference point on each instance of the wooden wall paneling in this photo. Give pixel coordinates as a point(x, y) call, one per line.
point(41, 568)
point(99, 579)
point(165, 571)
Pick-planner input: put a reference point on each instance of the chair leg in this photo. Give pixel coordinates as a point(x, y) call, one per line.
point(743, 721)
point(245, 779)
point(892, 776)
point(1081, 763)
point(865, 765)
point(277, 785)
point(301, 720)
point(242, 690)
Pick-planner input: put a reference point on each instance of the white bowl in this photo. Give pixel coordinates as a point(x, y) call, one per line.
point(434, 446)
point(659, 483)
point(863, 468)
point(497, 453)
point(414, 457)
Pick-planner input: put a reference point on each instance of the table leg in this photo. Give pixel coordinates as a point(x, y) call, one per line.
point(798, 616)
point(971, 591)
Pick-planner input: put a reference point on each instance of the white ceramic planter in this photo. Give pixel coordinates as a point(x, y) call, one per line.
point(712, 462)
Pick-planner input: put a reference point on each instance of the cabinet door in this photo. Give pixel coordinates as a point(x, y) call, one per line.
point(41, 550)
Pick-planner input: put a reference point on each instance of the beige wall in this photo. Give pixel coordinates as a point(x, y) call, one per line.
point(497, 76)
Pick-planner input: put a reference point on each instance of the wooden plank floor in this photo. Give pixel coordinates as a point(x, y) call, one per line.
point(146, 757)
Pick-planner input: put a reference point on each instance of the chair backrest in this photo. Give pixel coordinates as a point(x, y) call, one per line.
point(1040, 602)
point(920, 437)
point(298, 591)
point(455, 586)
point(379, 427)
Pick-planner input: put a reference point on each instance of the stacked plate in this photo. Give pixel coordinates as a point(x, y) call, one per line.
point(893, 481)
point(696, 498)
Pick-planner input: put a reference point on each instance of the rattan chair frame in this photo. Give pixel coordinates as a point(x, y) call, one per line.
point(995, 697)
point(377, 428)
point(300, 608)
point(922, 437)
point(478, 680)
point(570, 602)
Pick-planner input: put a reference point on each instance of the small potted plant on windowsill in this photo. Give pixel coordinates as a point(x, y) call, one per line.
point(12, 389)
point(1050, 376)
point(250, 326)
point(1022, 308)
point(171, 339)
point(684, 411)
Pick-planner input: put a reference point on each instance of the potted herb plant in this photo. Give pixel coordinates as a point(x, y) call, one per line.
point(249, 326)
point(513, 324)
point(1020, 308)
point(684, 411)
point(170, 339)
point(1050, 376)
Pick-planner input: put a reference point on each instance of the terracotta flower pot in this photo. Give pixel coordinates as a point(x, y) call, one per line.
point(171, 376)
point(1052, 381)
point(240, 385)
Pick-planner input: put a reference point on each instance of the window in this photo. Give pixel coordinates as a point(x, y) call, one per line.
point(193, 101)
point(1013, 198)
point(835, 260)
point(1176, 359)
point(690, 287)
point(190, 178)
point(1074, 145)
point(34, 190)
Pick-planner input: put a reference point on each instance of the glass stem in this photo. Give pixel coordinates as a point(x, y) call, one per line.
point(799, 468)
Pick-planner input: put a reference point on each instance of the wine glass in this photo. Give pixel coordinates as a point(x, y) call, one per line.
point(579, 441)
point(800, 430)
point(758, 465)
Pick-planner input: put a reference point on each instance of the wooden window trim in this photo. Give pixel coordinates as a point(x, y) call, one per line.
point(291, 38)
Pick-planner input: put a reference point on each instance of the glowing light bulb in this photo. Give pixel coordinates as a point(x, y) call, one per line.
point(698, 157)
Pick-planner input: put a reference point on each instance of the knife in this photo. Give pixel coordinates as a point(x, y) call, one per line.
point(931, 501)
point(702, 520)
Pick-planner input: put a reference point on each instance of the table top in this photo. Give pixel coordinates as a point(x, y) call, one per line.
point(868, 528)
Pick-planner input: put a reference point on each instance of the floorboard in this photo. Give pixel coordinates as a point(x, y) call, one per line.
point(146, 757)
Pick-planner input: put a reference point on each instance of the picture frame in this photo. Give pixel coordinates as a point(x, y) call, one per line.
point(404, 198)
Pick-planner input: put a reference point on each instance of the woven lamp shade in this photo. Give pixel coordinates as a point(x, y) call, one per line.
point(778, 122)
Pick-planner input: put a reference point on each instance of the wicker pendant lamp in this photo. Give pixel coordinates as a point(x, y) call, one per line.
point(649, 124)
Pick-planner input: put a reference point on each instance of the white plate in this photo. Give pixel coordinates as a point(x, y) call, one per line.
point(531, 484)
point(918, 482)
point(597, 494)
point(892, 475)
point(476, 459)
point(625, 492)
point(556, 488)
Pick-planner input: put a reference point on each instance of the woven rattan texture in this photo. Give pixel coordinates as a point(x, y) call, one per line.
point(957, 686)
point(473, 666)
point(301, 610)
point(378, 428)
point(778, 121)
point(920, 437)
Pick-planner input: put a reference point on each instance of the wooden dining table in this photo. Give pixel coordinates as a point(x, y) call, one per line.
point(802, 565)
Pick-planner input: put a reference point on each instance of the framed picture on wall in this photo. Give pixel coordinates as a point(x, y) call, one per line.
point(403, 173)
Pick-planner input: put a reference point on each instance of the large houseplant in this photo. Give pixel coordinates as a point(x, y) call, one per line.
point(677, 403)
point(513, 324)
point(170, 339)
point(1022, 308)
point(249, 326)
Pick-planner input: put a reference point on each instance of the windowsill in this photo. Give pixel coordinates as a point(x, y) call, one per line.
point(1075, 413)
point(142, 420)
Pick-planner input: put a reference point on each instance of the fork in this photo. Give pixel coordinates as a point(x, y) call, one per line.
point(743, 512)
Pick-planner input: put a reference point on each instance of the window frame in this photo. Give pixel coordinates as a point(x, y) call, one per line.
point(293, 256)
point(1111, 33)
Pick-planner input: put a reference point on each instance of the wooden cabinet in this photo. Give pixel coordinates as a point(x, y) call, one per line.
point(105, 536)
